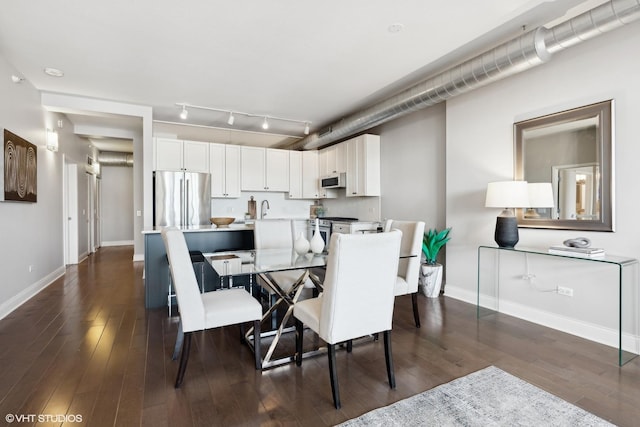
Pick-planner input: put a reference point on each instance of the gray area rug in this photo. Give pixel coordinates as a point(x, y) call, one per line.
point(489, 397)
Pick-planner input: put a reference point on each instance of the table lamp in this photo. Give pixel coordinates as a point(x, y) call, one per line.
point(507, 195)
point(540, 196)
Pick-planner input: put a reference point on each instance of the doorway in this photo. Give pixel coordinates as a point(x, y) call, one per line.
point(70, 206)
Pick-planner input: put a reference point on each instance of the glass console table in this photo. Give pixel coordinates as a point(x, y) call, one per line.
point(625, 295)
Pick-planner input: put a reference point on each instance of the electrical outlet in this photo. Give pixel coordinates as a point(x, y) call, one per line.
point(563, 290)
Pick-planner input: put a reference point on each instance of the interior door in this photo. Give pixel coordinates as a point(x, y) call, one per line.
point(70, 204)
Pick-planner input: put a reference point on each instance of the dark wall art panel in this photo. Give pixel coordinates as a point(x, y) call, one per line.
point(20, 169)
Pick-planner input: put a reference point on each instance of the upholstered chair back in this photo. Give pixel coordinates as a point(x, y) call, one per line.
point(358, 292)
point(184, 280)
point(409, 266)
point(273, 234)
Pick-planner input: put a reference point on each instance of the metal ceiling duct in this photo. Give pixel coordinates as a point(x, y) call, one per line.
point(514, 56)
point(113, 158)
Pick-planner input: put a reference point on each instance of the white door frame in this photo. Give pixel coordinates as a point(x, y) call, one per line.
point(90, 214)
point(70, 206)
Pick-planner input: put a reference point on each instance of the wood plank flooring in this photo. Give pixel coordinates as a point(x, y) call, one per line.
point(86, 347)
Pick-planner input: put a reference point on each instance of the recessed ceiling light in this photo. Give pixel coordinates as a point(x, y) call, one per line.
point(395, 28)
point(54, 72)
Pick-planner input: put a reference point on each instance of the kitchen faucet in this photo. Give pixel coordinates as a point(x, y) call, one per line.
point(262, 209)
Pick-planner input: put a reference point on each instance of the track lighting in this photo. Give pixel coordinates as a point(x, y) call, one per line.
point(231, 118)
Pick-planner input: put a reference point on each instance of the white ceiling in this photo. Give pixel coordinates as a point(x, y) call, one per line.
point(308, 61)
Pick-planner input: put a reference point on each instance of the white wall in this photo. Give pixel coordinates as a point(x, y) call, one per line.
point(117, 205)
point(480, 150)
point(412, 167)
point(31, 234)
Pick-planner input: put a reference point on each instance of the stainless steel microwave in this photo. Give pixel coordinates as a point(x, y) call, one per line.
point(336, 180)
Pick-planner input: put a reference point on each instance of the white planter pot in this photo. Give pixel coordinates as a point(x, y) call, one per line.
point(431, 279)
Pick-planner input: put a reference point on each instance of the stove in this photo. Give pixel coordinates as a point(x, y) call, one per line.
point(325, 226)
point(328, 220)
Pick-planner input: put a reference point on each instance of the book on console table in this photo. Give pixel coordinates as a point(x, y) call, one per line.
point(577, 252)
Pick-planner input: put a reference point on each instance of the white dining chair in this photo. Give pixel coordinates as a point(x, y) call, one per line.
point(357, 299)
point(277, 234)
point(208, 310)
point(409, 265)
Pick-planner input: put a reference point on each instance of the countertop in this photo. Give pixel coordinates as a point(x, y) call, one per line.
point(236, 226)
point(203, 228)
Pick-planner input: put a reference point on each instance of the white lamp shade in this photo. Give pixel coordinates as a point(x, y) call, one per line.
point(507, 194)
point(540, 195)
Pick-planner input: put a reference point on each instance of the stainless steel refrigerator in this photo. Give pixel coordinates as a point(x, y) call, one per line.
point(181, 198)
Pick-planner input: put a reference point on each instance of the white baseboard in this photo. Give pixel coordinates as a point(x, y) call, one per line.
point(138, 257)
point(17, 300)
point(117, 243)
point(590, 331)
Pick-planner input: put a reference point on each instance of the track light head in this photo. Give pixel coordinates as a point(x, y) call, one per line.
point(184, 113)
point(265, 124)
point(306, 128)
point(231, 119)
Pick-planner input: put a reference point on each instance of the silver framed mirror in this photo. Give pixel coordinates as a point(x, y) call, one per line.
point(572, 151)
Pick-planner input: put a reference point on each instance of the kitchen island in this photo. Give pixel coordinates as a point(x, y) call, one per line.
point(204, 238)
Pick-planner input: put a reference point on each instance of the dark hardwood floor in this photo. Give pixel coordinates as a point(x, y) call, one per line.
point(86, 347)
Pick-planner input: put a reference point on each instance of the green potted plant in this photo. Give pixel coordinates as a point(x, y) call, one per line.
point(431, 272)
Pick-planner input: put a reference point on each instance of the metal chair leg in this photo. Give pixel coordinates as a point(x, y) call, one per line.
point(333, 375)
point(184, 358)
point(416, 313)
point(299, 335)
point(179, 341)
point(389, 358)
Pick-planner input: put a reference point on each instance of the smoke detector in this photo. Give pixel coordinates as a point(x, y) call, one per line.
point(53, 72)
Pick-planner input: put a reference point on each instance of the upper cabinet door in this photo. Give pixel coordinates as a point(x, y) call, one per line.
point(168, 154)
point(310, 175)
point(224, 163)
point(363, 166)
point(253, 168)
point(277, 170)
point(335, 159)
point(295, 175)
point(232, 170)
point(195, 156)
point(177, 155)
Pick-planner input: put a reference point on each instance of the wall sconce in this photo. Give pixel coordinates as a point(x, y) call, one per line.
point(52, 140)
point(507, 195)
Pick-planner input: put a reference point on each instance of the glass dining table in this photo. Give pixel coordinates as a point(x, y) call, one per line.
point(263, 263)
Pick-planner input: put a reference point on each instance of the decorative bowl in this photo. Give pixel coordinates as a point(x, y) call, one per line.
point(222, 221)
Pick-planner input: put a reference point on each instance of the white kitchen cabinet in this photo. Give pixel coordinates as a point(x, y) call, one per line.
point(363, 166)
point(264, 169)
point(295, 175)
point(224, 165)
point(337, 158)
point(310, 182)
point(179, 155)
point(303, 175)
